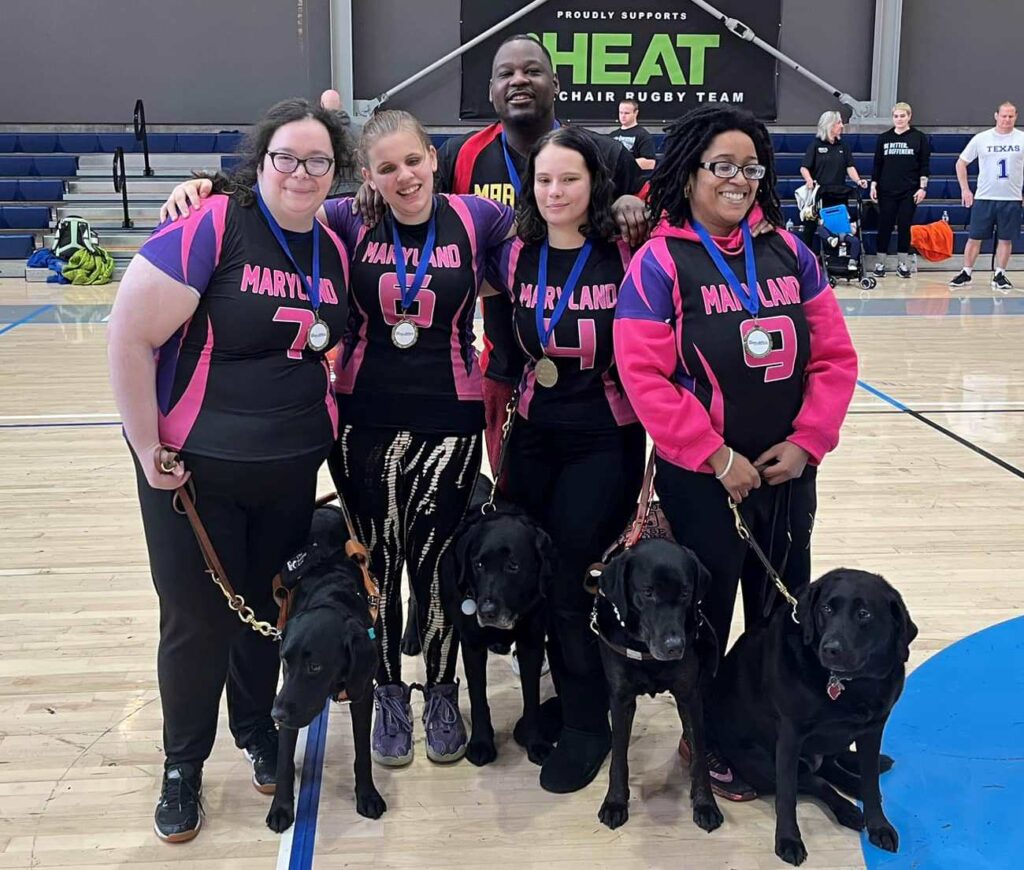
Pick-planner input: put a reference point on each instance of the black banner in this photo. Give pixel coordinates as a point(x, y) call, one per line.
point(669, 55)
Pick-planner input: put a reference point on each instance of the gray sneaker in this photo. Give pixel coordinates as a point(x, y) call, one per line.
point(446, 732)
point(391, 743)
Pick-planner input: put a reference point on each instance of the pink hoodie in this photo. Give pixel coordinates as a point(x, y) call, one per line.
point(649, 335)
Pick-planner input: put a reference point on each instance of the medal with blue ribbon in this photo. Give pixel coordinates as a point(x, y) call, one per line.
point(756, 341)
point(545, 370)
point(405, 333)
point(318, 338)
point(513, 173)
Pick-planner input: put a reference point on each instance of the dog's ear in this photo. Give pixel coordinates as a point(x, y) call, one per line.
point(363, 659)
point(806, 605)
point(614, 583)
point(906, 631)
point(459, 555)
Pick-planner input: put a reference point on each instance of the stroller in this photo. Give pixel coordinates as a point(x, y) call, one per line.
point(842, 254)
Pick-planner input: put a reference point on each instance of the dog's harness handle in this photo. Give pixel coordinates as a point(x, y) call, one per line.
point(643, 508)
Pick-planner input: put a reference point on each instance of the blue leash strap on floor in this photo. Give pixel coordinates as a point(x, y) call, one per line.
point(308, 803)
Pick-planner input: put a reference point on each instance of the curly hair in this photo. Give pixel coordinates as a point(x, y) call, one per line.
point(239, 180)
point(686, 140)
point(600, 224)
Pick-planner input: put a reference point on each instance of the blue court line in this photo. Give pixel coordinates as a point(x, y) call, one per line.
point(308, 805)
point(32, 315)
point(917, 415)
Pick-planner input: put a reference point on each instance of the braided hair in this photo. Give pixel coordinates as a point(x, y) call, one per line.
point(686, 140)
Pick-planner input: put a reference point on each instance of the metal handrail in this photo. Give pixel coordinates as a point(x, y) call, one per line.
point(121, 185)
point(141, 135)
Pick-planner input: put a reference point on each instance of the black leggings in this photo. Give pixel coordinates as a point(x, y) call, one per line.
point(780, 518)
point(257, 515)
point(898, 210)
point(407, 493)
point(582, 487)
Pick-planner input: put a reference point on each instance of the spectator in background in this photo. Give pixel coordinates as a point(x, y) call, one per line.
point(997, 204)
point(634, 138)
point(899, 183)
point(827, 163)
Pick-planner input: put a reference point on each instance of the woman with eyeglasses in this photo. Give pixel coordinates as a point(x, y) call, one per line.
point(217, 343)
point(736, 357)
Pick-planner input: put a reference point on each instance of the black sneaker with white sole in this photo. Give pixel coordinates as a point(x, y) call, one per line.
point(262, 754)
point(962, 280)
point(179, 813)
point(879, 270)
point(1001, 283)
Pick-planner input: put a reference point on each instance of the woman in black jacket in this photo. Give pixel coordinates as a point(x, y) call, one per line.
point(899, 182)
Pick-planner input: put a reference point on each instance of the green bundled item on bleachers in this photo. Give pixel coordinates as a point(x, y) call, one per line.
point(87, 267)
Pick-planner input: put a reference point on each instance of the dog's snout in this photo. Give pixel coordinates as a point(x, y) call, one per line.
point(673, 644)
point(487, 607)
point(831, 648)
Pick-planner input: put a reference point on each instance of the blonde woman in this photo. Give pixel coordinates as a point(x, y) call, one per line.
point(827, 163)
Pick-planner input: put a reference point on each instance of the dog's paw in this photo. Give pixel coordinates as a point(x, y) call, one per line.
point(707, 816)
point(370, 804)
point(481, 752)
point(280, 817)
point(884, 835)
point(538, 750)
point(411, 644)
point(790, 849)
point(849, 816)
point(613, 814)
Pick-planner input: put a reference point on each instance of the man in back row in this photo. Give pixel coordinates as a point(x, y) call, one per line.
point(997, 203)
point(634, 138)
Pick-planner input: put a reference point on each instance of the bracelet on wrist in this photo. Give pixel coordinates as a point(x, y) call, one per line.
point(728, 465)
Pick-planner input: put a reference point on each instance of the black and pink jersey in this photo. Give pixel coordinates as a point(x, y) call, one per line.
point(679, 334)
point(588, 393)
point(237, 380)
point(474, 163)
point(433, 386)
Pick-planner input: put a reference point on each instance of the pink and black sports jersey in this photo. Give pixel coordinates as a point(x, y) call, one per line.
point(237, 380)
point(678, 344)
point(433, 386)
point(588, 394)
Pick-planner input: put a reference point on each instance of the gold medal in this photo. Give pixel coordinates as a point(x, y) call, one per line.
point(546, 372)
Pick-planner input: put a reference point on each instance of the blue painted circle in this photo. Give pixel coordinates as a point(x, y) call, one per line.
point(956, 794)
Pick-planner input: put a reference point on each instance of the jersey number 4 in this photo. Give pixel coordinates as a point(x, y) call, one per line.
point(585, 352)
point(780, 361)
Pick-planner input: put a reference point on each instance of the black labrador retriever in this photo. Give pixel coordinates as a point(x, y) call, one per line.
point(492, 589)
point(327, 647)
point(790, 699)
point(655, 639)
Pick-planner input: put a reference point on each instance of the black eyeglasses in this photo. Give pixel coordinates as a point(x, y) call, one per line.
point(724, 169)
point(288, 163)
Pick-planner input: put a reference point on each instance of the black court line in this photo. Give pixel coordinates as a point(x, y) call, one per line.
point(938, 427)
point(866, 411)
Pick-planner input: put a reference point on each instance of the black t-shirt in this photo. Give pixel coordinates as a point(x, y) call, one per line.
point(636, 140)
point(433, 386)
point(900, 162)
point(474, 163)
point(237, 381)
point(827, 163)
point(588, 393)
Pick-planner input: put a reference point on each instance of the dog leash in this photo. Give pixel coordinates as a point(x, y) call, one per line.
point(743, 530)
point(184, 503)
point(506, 430)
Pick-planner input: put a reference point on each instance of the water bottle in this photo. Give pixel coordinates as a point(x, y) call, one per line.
point(789, 225)
point(945, 216)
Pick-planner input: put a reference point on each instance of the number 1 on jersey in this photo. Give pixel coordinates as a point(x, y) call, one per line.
point(1002, 169)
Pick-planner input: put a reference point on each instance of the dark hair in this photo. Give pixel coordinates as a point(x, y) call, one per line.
point(686, 139)
point(633, 103)
point(525, 37)
point(239, 180)
point(600, 224)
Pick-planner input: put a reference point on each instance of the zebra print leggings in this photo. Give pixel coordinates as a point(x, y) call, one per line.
point(407, 493)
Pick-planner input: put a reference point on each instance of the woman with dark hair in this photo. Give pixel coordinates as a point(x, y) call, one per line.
point(217, 343)
point(736, 357)
point(576, 451)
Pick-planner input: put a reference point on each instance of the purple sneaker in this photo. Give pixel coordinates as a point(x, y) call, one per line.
point(446, 732)
point(391, 744)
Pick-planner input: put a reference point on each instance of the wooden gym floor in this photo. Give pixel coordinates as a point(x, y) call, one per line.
point(925, 488)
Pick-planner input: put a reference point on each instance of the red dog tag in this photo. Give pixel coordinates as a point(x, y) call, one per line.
point(835, 687)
